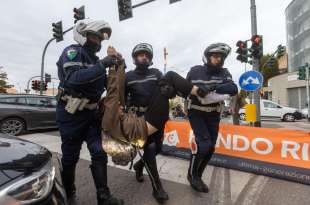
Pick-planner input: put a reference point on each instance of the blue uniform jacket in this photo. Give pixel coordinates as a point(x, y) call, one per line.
point(141, 85)
point(201, 76)
point(80, 73)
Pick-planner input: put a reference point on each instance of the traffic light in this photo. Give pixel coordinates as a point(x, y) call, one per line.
point(35, 85)
point(242, 51)
point(57, 29)
point(79, 14)
point(302, 73)
point(281, 51)
point(256, 50)
point(173, 1)
point(44, 86)
point(124, 9)
point(271, 62)
point(48, 78)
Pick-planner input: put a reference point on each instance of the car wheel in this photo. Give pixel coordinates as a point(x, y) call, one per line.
point(242, 116)
point(12, 126)
point(289, 118)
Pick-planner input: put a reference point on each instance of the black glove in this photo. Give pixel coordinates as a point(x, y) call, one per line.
point(205, 90)
point(110, 61)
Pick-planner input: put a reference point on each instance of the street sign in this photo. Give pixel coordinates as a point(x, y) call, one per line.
point(251, 81)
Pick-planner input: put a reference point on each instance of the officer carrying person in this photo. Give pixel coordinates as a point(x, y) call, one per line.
point(205, 118)
point(82, 81)
point(125, 133)
point(140, 86)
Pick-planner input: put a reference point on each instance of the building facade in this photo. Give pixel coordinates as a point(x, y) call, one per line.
point(285, 88)
point(298, 33)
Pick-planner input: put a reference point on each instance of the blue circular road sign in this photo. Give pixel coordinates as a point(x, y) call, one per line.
point(251, 80)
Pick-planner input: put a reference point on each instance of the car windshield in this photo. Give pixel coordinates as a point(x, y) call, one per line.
point(270, 105)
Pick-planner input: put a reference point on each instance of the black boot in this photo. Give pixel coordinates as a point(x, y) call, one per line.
point(104, 197)
point(158, 191)
point(138, 167)
point(193, 175)
point(68, 176)
point(201, 169)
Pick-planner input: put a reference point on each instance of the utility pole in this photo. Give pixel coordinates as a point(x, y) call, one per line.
point(255, 63)
point(308, 89)
point(165, 59)
point(79, 14)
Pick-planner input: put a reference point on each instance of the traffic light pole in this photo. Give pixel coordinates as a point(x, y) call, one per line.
point(42, 65)
point(255, 63)
point(272, 56)
point(28, 83)
point(30, 79)
point(42, 61)
point(142, 3)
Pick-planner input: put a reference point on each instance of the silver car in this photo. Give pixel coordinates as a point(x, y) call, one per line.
point(26, 112)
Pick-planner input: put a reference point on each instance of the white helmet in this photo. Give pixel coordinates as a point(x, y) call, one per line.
point(221, 48)
point(81, 28)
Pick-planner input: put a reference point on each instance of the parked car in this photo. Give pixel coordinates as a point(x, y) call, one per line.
point(272, 110)
point(26, 112)
point(27, 174)
point(226, 109)
point(304, 113)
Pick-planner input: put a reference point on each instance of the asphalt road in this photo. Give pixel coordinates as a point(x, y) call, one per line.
point(227, 187)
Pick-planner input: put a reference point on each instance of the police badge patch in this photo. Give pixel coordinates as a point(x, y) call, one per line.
point(71, 54)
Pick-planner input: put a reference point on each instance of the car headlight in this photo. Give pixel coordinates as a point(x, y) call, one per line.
point(34, 187)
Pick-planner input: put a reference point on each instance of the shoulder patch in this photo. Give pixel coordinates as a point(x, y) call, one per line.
point(71, 53)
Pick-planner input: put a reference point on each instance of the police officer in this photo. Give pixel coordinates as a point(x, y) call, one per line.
point(82, 81)
point(205, 118)
point(140, 86)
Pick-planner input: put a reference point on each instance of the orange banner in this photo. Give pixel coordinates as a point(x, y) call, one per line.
point(274, 145)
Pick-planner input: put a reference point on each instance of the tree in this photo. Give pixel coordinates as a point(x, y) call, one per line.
point(269, 70)
point(3, 82)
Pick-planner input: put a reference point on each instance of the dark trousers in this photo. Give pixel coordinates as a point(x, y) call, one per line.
point(205, 126)
point(83, 126)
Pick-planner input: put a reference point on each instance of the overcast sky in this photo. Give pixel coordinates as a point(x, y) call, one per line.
point(185, 28)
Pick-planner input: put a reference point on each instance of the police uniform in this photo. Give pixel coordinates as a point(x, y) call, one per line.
point(81, 76)
point(205, 119)
point(140, 88)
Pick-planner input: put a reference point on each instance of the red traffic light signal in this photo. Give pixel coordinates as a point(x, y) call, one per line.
point(35, 85)
point(256, 39)
point(241, 44)
point(242, 51)
point(256, 50)
point(44, 85)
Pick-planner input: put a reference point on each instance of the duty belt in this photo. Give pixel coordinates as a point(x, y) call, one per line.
point(138, 109)
point(74, 104)
point(206, 109)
